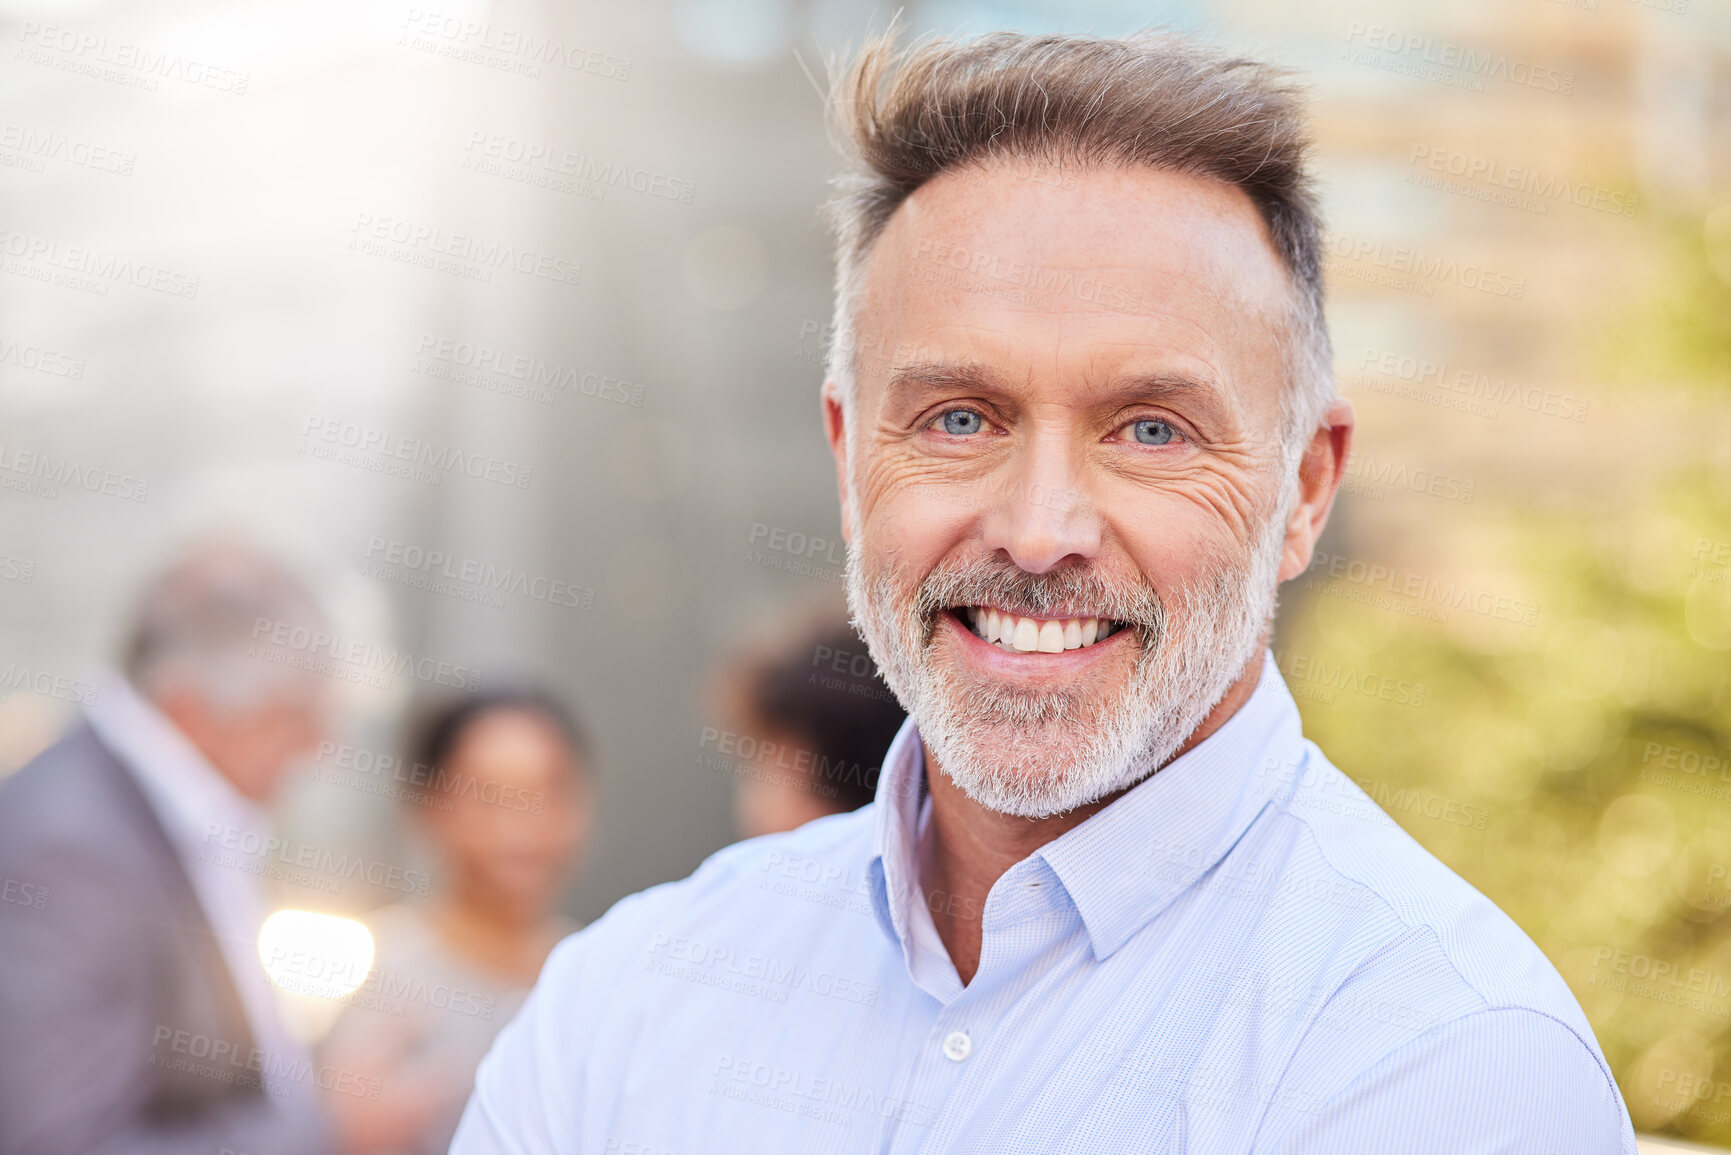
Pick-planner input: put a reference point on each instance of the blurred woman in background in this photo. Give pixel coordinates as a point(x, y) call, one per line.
point(507, 808)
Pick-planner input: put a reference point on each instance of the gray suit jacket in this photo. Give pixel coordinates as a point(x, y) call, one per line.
point(121, 1030)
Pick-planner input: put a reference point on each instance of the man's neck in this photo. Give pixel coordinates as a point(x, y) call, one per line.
point(967, 847)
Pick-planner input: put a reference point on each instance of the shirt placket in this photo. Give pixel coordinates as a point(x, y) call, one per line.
point(963, 1036)
point(943, 1053)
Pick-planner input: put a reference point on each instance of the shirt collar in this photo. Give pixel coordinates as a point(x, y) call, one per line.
point(894, 869)
point(1127, 863)
point(188, 794)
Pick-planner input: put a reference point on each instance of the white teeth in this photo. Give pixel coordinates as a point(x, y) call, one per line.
point(1036, 635)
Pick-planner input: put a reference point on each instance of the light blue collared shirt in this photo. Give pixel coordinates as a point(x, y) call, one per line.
point(1242, 954)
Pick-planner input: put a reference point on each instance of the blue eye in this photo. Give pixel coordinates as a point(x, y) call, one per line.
point(1153, 432)
point(961, 422)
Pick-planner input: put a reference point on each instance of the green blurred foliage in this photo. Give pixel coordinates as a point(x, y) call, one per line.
point(1588, 757)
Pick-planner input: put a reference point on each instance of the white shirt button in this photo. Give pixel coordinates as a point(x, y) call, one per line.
point(957, 1046)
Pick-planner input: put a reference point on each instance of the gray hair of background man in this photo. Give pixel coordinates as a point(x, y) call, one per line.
point(907, 115)
point(195, 624)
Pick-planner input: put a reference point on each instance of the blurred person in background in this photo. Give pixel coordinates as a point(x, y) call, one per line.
point(818, 719)
point(507, 809)
point(135, 1015)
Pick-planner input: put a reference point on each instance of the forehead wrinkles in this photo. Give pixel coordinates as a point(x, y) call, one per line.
point(1214, 292)
point(1124, 219)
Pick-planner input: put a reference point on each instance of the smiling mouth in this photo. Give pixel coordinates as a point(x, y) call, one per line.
point(1024, 635)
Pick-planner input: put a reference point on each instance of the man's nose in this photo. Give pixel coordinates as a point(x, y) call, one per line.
point(1039, 512)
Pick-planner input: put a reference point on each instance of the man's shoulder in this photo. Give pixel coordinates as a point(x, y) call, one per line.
point(1445, 950)
point(1439, 973)
point(79, 841)
point(72, 801)
point(793, 884)
point(829, 845)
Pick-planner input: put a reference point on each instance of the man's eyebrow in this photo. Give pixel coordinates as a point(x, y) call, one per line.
point(1164, 386)
point(1167, 385)
point(938, 376)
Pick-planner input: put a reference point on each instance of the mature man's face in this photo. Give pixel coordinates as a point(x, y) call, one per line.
point(1061, 474)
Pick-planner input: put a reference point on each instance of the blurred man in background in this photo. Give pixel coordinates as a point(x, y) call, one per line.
point(507, 807)
point(135, 1015)
point(819, 719)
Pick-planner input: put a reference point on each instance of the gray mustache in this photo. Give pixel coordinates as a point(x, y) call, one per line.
point(1075, 591)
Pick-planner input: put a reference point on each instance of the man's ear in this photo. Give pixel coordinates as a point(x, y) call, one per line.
point(1319, 474)
point(835, 429)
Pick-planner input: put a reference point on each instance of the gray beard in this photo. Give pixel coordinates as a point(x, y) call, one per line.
point(1036, 754)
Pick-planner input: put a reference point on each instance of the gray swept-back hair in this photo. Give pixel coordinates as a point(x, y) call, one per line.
point(906, 114)
point(196, 621)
